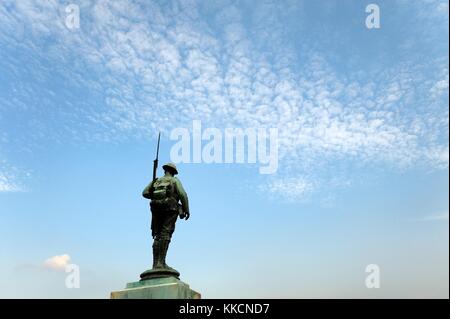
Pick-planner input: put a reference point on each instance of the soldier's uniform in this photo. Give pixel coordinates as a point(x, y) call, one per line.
point(166, 193)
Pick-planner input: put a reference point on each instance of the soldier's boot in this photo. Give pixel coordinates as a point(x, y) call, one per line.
point(157, 254)
point(163, 252)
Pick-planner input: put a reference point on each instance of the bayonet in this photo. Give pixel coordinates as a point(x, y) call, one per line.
point(155, 161)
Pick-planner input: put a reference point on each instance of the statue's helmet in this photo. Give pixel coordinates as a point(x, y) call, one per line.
point(171, 168)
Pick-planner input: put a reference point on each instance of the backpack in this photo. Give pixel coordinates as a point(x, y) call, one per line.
point(163, 196)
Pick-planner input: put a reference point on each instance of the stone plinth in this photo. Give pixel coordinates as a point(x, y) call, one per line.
point(156, 288)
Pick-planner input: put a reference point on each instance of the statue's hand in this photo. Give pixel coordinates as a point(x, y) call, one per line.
point(184, 215)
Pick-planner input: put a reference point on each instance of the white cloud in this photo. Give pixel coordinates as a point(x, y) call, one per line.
point(440, 87)
point(9, 178)
point(289, 189)
point(439, 156)
point(6, 185)
point(58, 263)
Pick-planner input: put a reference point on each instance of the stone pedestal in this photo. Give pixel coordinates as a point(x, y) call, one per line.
point(156, 288)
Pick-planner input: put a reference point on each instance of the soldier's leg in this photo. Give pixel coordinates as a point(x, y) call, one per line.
point(168, 227)
point(156, 253)
point(156, 234)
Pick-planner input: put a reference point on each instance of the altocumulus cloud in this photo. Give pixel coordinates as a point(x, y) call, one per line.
point(235, 68)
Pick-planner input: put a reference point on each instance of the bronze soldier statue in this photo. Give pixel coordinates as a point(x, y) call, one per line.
point(168, 202)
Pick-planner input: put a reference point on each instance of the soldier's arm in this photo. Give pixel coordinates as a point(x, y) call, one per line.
point(147, 192)
point(182, 195)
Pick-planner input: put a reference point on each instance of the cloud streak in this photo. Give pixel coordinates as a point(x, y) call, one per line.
point(432, 218)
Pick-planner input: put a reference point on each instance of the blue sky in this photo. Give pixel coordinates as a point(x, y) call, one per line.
point(362, 119)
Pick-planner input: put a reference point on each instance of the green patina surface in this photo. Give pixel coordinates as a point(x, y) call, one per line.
point(157, 288)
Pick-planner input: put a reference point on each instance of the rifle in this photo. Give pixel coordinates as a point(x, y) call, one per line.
point(155, 161)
